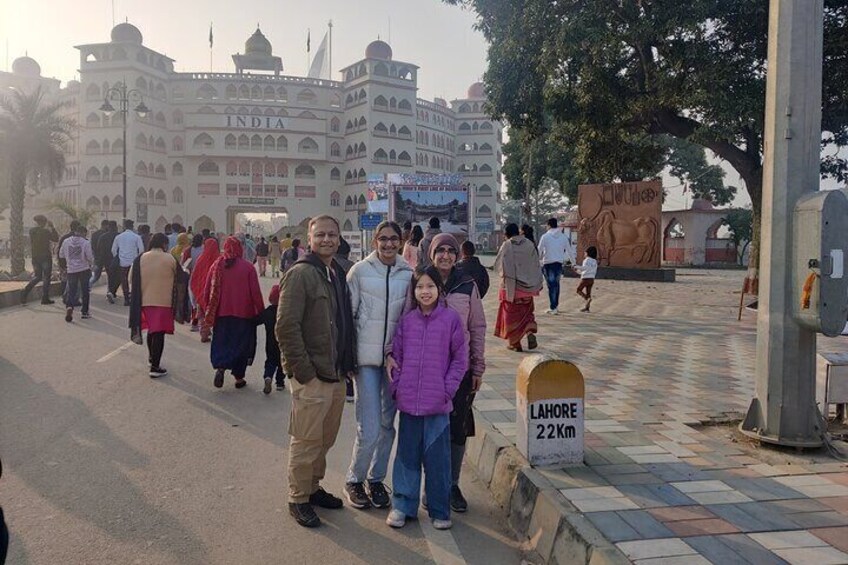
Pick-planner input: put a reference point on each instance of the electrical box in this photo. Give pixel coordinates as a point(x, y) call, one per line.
point(831, 379)
point(820, 234)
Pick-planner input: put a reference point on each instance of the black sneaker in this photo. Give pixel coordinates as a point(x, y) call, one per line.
point(379, 495)
point(267, 388)
point(219, 378)
point(355, 494)
point(457, 501)
point(85, 316)
point(324, 499)
point(69, 314)
point(156, 372)
point(281, 385)
point(110, 297)
point(532, 343)
point(304, 515)
point(48, 301)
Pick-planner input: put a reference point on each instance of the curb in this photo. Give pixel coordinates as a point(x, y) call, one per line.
point(536, 511)
point(13, 297)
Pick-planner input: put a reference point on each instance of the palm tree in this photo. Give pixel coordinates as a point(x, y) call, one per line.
point(83, 215)
point(35, 138)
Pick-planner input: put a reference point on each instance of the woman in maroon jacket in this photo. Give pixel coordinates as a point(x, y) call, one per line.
point(233, 302)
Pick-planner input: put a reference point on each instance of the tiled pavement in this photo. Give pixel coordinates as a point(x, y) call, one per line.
point(658, 360)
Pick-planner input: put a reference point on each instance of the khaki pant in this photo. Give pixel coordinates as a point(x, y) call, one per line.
point(316, 414)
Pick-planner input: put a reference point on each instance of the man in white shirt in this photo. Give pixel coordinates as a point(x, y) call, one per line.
point(554, 250)
point(126, 247)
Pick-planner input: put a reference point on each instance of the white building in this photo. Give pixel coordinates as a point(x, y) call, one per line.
point(216, 144)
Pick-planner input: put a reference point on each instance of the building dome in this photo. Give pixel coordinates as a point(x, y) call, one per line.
point(257, 44)
point(378, 50)
point(477, 90)
point(26, 66)
point(126, 33)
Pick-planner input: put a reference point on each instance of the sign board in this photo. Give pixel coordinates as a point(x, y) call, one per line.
point(354, 239)
point(258, 201)
point(369, 221)
point(418, 197)
point(550, 411)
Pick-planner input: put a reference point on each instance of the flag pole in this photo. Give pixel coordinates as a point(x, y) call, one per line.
point(308, 40)
point(210, 46)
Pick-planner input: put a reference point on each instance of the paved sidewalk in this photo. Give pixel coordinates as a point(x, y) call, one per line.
point(660, 360)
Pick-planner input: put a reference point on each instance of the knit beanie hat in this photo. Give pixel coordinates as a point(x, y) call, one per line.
point(274, 295)
point(441, 240)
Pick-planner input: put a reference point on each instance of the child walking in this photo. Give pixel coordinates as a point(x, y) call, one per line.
point(273, 368)
point(432, 357)
point(588, 270)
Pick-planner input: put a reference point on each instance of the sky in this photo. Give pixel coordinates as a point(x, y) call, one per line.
point(438, 38)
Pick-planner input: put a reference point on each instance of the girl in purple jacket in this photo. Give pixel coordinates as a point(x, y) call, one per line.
point(432, 357)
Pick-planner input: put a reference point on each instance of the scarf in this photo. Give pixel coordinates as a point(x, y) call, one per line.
point(212, 292)
point(517, 263)
point(183, 241)
point(200, 270)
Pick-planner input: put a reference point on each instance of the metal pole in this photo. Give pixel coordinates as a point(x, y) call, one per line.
point(330, 64)
point(784, 410)
point(124, 105)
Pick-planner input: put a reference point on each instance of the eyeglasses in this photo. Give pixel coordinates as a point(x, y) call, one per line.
point(445, 251)
point(384, 239)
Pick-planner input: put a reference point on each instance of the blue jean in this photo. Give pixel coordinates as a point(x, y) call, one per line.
point(375, 426)
point(95, 275)
point(423, 440)
point(78, 287)
point(42, 269)
point(553, 274)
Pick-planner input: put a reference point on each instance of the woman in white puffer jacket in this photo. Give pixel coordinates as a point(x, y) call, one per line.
point(378, 288)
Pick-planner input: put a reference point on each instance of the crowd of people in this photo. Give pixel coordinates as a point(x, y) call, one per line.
point(401, 331)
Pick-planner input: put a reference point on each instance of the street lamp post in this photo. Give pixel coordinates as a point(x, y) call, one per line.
point(123, 96)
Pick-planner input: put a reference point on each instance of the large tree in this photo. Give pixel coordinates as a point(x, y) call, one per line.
point(614, 75)
point(36, 135)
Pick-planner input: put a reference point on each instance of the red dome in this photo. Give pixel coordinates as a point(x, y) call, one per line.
point(378, 50)
point(477, 90)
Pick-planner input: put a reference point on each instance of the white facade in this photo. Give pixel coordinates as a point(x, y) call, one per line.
point(215, 144)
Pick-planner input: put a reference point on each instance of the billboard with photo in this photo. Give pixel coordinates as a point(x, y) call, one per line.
point(378, 194)
point(418, 197)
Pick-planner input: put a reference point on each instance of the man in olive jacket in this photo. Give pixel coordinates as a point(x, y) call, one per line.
point(316, 335)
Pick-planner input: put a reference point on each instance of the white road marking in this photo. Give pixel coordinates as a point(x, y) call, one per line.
point(443, 547)
point(108, 356)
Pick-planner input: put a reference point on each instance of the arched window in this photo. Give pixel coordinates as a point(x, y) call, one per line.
point(464, 108)
point(282, 94)
point(141, 141)
point(177, 169)
point(404, 132)
point(244, 169)
point(255, 142)
point(231, 92)
point(486, 125)
point(231, 169)
point(306, 96)
point(335, 199)
point(93, 203)
point(282, 143)
point(404, 156)
point(404, 105)
point(349, 200)
point(269, 143)
point(117, 173)
point(381, 70)
point(269, 112)
point(348, 177)
point(160, 197)
point(207, 92)
point(117, 202)
point(393, 130)
point(304, 171)
point(230, 141)
point(361, 150)
point(335, 150)
point(334, 125)
point(381, 128)
point(203, 141)
point(118, 146)
point(92, 147)
point(486, 169)
point(141, 84)
point(381, 102)
point(485, 147)
point(307, 145)
point(484, 190)
point(92, 92)
point(92, 120)
point(105, 203)
point(348, 226)
point(141, 169)
point(464, 126)
point(256, 92)
point(484, 212)
point(350, 151)
point(392, 155)
point(270, 170)
point(160, 145)
point(335, 174)
point(141, 196)
point(92, 174)
point(208, 168)
point(268, 93)
point(282, 170)
point(360, 202)
point(307, 114)
point(393, 102)
point(244, 92)
point(361, 175)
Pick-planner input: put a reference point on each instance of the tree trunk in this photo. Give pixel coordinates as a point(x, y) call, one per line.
point(16, 220)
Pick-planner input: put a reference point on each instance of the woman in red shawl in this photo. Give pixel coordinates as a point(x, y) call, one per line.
point(233, 301)
point(199, 273)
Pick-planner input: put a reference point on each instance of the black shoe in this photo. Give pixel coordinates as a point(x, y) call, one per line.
point(379, 495)
point(531, 341)
point(304, 515)
point(110, 296)
point(69, 314)
point(156, 372)
point(324, 499)
point(355, 494)
point(86, 316)
point(281, 385)
point(457, 501)
point(267, 388)
point(241, 383)
point(219, 378)
point(48, 301)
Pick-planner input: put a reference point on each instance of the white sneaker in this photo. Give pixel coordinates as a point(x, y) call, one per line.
point(555, 312)
point(396, 519)
point(442, 524)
